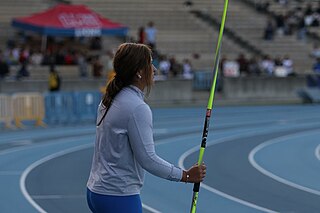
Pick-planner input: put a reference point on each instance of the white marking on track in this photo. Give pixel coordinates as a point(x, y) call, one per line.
point(45, 159)
point(160, 131)
point(272, 175)
point(48, 197)
point(150, 208)
point(317, 152)
point(39, 162)
point(213, 190)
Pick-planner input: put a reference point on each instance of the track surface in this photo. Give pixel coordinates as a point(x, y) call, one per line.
point(259, 159)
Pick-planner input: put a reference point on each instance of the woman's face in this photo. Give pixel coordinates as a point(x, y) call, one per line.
point(154, 71)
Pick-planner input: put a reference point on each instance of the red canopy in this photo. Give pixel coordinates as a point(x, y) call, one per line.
point(69, 20)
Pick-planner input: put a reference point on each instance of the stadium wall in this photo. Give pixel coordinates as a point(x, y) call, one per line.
point(243, 90)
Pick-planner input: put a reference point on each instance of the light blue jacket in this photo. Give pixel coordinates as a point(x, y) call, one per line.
point(124, 147)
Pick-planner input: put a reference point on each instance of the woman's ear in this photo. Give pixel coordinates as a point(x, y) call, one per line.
point(139, 75)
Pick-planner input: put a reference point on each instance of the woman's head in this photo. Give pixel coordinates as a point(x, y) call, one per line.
point(132, 61)
point(132, 64)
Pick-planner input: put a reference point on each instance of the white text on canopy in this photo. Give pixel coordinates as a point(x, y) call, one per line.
point(81, 20)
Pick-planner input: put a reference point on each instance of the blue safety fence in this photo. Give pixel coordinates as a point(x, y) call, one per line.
point(313, 81)
point(311, 93)
point(59, 107)
point(71, 107)
point(202, 80)
point(86, 105)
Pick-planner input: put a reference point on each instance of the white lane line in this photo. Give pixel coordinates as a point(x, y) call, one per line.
point(48, 158)
point(48, 197)
point(160, 131)
point(38, 163)
point(150, 208)
point(317, 152)
point(272, 175)
point(48, 142)
point(213, 190)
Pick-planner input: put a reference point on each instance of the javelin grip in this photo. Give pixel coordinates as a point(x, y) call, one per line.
point(196, 187)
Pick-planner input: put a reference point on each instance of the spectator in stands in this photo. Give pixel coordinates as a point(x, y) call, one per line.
point(187, 69)
point(280, 24)
point(10, 43)
point(243, 64)
point(316, 51)
point(316, 66)
point(10, 58)
point(263, 6)
point(188, 3)
point(68, 58)
point(141, 35)
point(308, 16)
point(124, 146)
point(269, 30)
point(23, 71)
point(16, 54)
point(36, 58)
point(267, 65)
point(278, 61)
point(48, 58)
point(4, 67)
point(290, 22)
point(309, 10)
point(96, 43)
point(82, 65)
point(313, 80)
point(97, 67)
point(156, 60)
point(59, 57)
point(221, 64)
point(54, 79)
point(283, 2)
point(175, 67)
point(287, 64)
point(151, 34)
point(231, 68)
point(302, 30)
point(253, 67)
point(164, 66)
point(317, 10)
point(24, 56)
point(107, 60)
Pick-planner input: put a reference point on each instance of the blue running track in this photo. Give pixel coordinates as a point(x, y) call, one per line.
point(259, 159)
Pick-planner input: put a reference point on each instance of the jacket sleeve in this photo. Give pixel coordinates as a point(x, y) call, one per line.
point(140, 133)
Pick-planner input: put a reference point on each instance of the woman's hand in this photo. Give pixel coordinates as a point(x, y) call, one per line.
point(195, 174)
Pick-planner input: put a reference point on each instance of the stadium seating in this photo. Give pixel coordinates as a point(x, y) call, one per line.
point(180, 33)
point(241, 21)
point(17, 8)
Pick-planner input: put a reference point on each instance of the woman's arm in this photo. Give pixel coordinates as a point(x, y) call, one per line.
point(140, 133)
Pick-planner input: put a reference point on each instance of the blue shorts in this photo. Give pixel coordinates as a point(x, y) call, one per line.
point(113, 204)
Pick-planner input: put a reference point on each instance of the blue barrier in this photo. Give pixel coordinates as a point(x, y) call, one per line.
point(86, 105)
point(71, 107)
point(59, 107)
point(202, 80)
point(309, 95)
